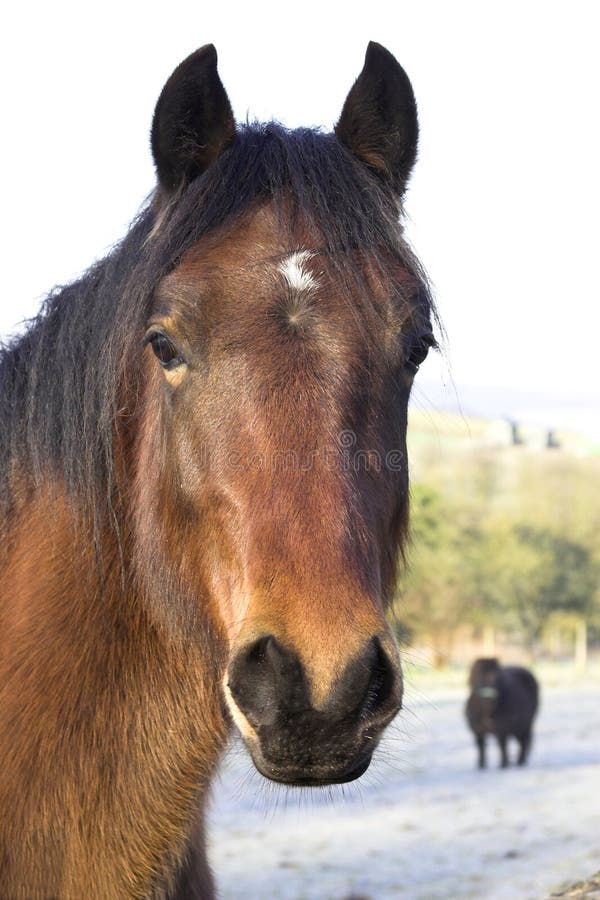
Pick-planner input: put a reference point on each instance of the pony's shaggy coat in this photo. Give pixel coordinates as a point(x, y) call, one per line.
point(503, 702)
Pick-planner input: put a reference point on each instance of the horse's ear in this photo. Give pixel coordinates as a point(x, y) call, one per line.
point(379, 119)
point(193, 122)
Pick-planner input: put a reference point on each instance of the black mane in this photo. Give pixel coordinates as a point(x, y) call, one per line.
point(62, 379)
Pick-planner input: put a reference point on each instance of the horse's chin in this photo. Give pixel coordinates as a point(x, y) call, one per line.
point(296, 776)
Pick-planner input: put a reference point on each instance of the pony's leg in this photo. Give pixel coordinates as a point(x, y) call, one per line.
point(480, 739)
point(194, 879)
point(502, 741)
point(525, 746)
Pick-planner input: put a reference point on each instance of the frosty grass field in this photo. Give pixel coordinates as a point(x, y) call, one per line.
point(423, 824)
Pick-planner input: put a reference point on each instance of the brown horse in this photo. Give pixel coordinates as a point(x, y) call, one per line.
point(204, 491)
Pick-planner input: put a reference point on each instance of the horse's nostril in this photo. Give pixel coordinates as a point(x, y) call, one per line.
point(256, 656)
point(265, 678)
point(366, 687)
point(381, 684)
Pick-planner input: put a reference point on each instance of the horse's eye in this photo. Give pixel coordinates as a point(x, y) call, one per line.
point(417, 351)
point(165, 351)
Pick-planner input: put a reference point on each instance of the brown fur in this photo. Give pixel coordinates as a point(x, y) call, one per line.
point(110, 729)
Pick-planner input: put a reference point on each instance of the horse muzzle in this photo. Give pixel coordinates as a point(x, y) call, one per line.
point(290, 739)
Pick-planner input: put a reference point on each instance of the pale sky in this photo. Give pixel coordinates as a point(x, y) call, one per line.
point(503, 206)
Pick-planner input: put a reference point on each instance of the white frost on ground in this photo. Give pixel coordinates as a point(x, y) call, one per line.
point(422, 824)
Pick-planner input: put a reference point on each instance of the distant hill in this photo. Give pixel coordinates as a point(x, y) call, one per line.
point(575, 413)
point(435, 432)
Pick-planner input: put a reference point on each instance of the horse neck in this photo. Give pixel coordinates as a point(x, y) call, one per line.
point(119, 718)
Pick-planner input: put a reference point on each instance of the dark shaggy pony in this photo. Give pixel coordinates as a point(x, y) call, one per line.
point(203, 491)
point(503, 702)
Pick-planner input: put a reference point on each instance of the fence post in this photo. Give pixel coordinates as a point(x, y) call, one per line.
point(489, 640)
point(581, 645)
